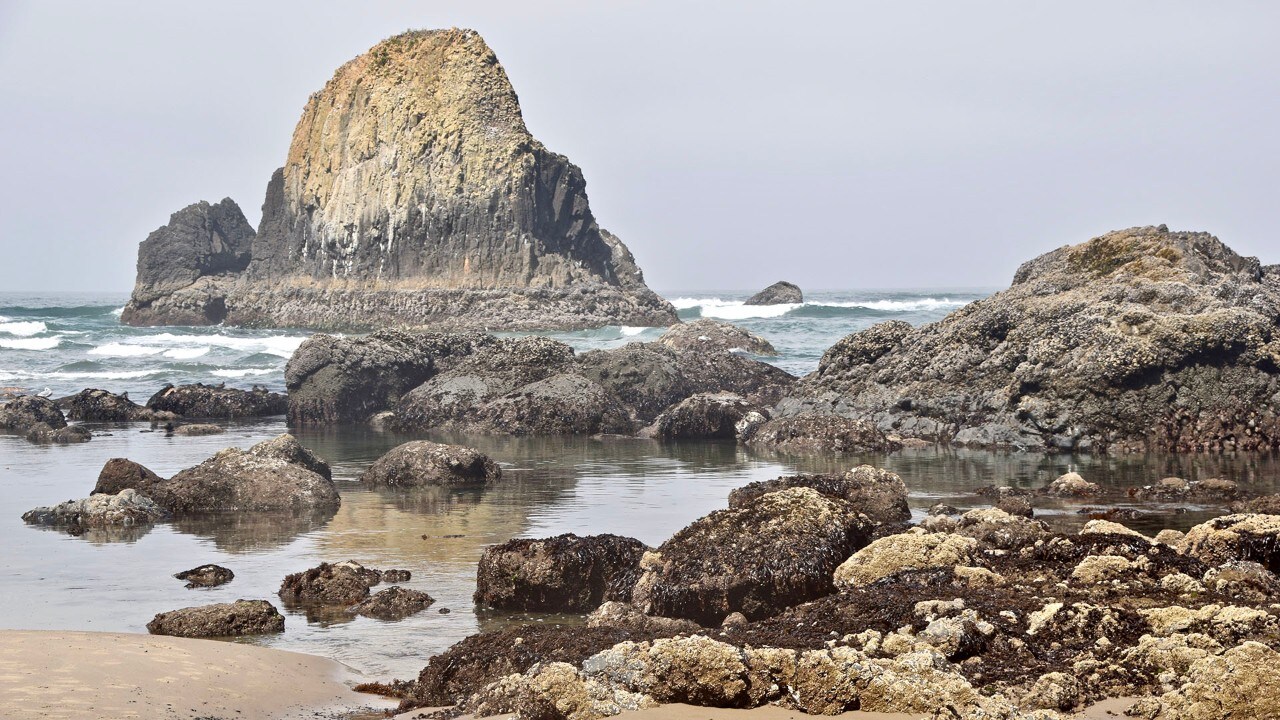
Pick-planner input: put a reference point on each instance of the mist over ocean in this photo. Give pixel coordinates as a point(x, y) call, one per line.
point(70, 341)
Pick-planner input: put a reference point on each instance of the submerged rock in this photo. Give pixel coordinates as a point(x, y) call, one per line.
point(422, 463)
point(126, 508)
point(821, 434)
point(206, 576)
point(216, 401)
point(779, 293)
point(276, 474)
point(565, 573)
point(759, 558)
point(451, 216)
point(42, 434)
point(394, 603)
point(242, 617)
point(1079, 353)
point(199, 429)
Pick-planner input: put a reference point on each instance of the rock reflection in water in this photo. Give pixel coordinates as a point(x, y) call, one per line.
point(100, 535)
point(243, 532)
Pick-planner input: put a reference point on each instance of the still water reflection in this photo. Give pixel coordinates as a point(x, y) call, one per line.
point(118, 581)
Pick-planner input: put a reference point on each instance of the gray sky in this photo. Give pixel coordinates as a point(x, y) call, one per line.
point(835, 144)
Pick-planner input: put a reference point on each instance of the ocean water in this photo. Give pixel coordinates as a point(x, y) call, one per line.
point(117, 581)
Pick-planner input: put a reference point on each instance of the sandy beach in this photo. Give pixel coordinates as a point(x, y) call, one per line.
point(110, 675)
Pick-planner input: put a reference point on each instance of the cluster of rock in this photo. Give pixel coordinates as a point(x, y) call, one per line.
point(1138, 339)
point(812, 592)
point(695, 382)
point(412, 195)
point(343, 589)
point(40, 421)
point(274, 475)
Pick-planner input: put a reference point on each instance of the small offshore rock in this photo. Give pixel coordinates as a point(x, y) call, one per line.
point(23, 413)
point(216, 401)
point(94, 405)
point(126, 508)
point(199, 429)
point(43, 434)
point(822, 434)
point(705, 416)
point(329, 584)
point(396, 576)
point(394, 603)
point(707, 335)
point(206, 576)
point(779, 293)
point(423, 463)
point(1073, 485)
point(242, 617)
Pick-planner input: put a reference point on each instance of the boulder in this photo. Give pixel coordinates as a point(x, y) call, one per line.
point(1243, 581)
point(216, 401)
point(821, 434)
point(1236, 537)
point(1239, 683)
point(707, 335)
point(914, 550)
point(125, 508)
point(206, 576)
point(242, 617)
point(1138, 339)
point(334, 380)
point(449, 215)
point(1016, 505)
point(345, 583)
point(646, 377)
point(566, 404)
point(878, 494)
point(1072, 485)
point(706, 416)
point(565, 573)
point(779, 293)
point(999, 529)
point(276, 474)
point(394, 603)
point(396, 576)
point(776, 551)
point(43, 434)
point(1266, 505)
point(198, 429)
point(92, 405)
point(423, 463)
point(21, 414)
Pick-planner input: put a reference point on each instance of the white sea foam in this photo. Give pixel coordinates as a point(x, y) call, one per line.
point(8, 375)
point(117, 312)
point(45, 343)
point(898, 305)
point(116, 349)
point(245, 372)
point(630, 331)
point(186, 353)
point(22, 329)
point(281, 346)
point(715, 307)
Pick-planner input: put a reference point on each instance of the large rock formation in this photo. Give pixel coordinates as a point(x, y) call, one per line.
point(1141, 338)
point(412, 195)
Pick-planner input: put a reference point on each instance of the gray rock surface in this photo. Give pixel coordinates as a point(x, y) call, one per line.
point(707, 334)
point(1141, 338)
point(878, 494)
point(242, 617)
point(566, 573)
point(21, 414)
point(705, 416)
point(394, 603)
point(276, 474)
point(779, 293)
point(93, 405)
point(820, 434)
point(126, 508)
point(422, 463)
point(216, 401)
point(412, 195)
point(206, 576)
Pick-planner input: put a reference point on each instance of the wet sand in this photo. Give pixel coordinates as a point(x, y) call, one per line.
point(110, 675)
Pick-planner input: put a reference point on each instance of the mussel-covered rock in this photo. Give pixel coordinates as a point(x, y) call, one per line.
point(707, 335)
point(879, 494)
point(566, 573)
point(125, 508)
point(242, 617)
point(423, 463)
point(393, 603)
point(821, 434)
point(206, 576)
point(216, 401)
point(21, 414)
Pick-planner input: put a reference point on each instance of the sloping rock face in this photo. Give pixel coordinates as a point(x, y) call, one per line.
point(779, 293)
point(200, 241)
point(412, 195)
point(1141, 338)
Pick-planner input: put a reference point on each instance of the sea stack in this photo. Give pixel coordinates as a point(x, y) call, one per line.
point(413, 195)
point(779, 293)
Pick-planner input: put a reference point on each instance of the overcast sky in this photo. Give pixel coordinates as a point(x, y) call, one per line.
point(836, 144)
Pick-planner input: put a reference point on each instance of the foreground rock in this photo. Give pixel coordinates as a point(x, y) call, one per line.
point(206, 576)
point(565, 573)
point(706, 334)
point(878, 494)
point(779, 293)
point(478, 226)
point(242, 617)
point(1079, 353)
point(423, 463)
point(276, 474)
point(765, 555)
point(210, 401)
point(126, 508)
